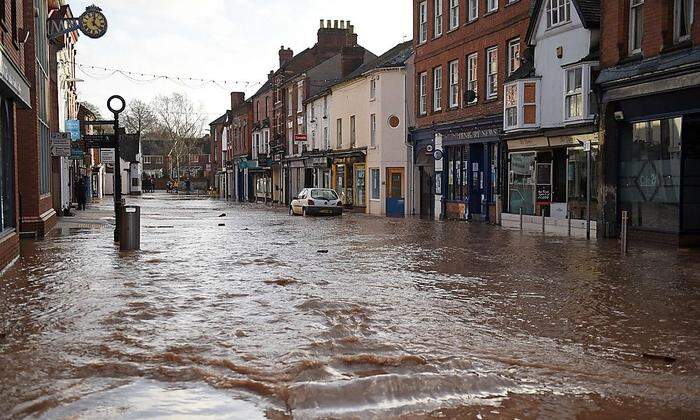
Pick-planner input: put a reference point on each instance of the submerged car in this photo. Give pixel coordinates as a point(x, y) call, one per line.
point(316, 201)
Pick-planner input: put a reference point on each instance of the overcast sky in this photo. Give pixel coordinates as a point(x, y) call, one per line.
point(234, 40)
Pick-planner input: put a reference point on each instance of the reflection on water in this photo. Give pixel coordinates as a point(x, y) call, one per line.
point(399, 317)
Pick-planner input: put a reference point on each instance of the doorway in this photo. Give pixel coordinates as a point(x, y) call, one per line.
point(395, 200)
point(476, 178)
point(427, 194)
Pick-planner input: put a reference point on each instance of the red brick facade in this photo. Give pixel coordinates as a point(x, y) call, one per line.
point(658, 30)
point(494, 29)
point(240, 130)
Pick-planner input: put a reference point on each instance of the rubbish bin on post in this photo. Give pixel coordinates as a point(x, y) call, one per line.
point(130, 228)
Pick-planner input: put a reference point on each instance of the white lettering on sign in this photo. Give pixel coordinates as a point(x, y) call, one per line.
point(60, 144)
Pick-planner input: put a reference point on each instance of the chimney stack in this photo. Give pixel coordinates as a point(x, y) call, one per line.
point(285, 55)
point(237, 99)
point(336, 35)
point(271, 75)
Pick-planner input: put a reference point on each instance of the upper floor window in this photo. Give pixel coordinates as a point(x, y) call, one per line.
point(510, 104)
point(454, 14)
point(472, 83)
point(492, 72)
point(353, 132)
point(339, 132)
point(423, 93)
point(372, 88)
point(438, 18)
point(491, 5)
point(454, 84)
point(573, 95)
point(300, 97)
point(373, 129)
point(326, 143)
point(636, 25)
point(290, 101)
point(473, 9)
point(558, 12)
point(325, 106)
point(513, 55)
point(437, 89)
point(520, 105)
point(423, 22)
point(683, 20)
point(267, 100)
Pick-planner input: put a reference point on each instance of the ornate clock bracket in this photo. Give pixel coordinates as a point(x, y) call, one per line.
point(58, 27)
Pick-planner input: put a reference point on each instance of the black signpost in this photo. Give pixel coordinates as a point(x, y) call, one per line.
point(116, 110)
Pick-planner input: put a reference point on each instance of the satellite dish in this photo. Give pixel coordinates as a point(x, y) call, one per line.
point(469, 96)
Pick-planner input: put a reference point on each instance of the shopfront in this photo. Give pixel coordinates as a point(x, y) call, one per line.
point(471, 166)
point(317, 172)
point(349, 176)
point(424, 172)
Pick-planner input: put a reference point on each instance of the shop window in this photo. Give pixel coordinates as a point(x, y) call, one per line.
point(691, 174)
point(7, 167)
point(577, 180)
point(650, 173)
point(340, 181)
point(375, 180)
point(521, 188)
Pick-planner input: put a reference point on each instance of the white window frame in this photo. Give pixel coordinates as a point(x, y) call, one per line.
point(513, 106)
point(437, 88)
point(492, 73)
point(300, 97)
point(454, 14)
point(473, 12)
point(555, 8)
point(491, 6)
point(372, 88)
point(454, 84)
point(520, 105)
point(473, 76)
point(677, 19)
point(583, 92)
point(290, 101)
point(423, 22)
point(635, 7)
point(423, 93)
point(373, 129)
point(513, 55)
point(437, 27)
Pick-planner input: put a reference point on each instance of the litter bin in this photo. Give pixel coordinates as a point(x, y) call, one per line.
point(130, 228)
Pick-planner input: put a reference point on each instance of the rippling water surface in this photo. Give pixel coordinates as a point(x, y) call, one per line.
point(398, 318)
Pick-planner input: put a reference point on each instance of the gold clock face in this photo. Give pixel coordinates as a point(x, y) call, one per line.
point(93, 24)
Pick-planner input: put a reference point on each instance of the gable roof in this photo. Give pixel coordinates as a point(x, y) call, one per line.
point(395, 57)
point(220, 120)
point(588, 11)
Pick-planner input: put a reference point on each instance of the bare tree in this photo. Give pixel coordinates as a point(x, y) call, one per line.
point(181, 122)
point(140, 118)
point(92, 108)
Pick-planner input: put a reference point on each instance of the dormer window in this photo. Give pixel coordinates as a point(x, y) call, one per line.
point(558, 12)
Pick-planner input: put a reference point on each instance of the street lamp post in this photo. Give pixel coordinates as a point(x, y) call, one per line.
point(116, 110)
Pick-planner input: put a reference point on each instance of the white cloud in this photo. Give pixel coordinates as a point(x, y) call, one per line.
point(219, 39)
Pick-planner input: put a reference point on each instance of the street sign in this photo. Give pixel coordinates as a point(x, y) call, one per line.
point(107, 156)
point(73, 127)
point(100, 141)
point(60, 144)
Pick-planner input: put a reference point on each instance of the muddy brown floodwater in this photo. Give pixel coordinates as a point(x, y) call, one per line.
point(399, 318)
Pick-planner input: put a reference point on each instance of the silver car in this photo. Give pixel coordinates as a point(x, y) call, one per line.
point(316, 201)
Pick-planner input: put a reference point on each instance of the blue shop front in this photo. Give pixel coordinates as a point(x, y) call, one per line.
point(471, 169)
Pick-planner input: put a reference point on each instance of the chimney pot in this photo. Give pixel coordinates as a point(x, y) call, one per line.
point(328, 24)
point(342, 24)
point(321, 23)
point(335, 24)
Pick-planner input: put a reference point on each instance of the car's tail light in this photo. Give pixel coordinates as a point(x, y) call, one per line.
point(311, 202)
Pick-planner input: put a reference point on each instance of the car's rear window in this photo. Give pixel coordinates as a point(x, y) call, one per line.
point(324, 194)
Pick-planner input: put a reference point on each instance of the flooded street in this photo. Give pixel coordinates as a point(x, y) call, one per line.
point(397, 318)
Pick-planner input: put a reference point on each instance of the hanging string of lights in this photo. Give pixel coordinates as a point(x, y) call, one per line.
point(103, 73)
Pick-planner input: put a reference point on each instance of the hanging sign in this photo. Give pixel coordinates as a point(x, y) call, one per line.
point(100, 141)
point(92, 23)
point(60, 144)
point(73, 127)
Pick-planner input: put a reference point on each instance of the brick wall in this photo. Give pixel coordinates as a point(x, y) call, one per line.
point(658, 30)
point(495, 29)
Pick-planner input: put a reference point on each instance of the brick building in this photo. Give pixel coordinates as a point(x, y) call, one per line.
point(649, 85)
point(218, 147)
point(260, 167)
point(15, 95)
point(240, 137)
point(464, 50)
point(335, 55)
point(37, 215)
